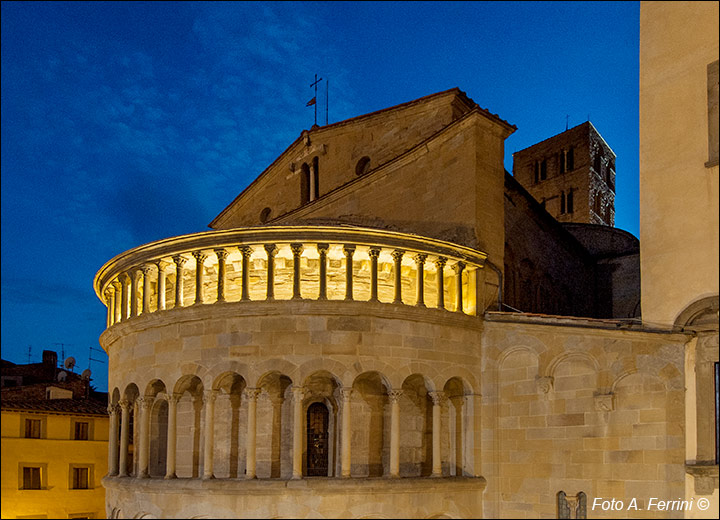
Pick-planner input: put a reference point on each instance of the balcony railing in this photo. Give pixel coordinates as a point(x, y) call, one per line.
point(290, 262)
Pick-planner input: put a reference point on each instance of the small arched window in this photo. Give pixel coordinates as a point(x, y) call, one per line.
point(363, 165)
point(304, 184)
point(265, 215)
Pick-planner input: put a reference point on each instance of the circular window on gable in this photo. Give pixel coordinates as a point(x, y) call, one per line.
point(363, 165)
point(265, 215)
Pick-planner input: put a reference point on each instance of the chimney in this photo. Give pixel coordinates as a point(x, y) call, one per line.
point(49, 358)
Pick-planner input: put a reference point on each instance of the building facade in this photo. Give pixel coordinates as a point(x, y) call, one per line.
point(339, 345)
point(54, 443)
point(679, 210)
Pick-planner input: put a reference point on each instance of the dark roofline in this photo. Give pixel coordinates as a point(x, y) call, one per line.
point(56, 406)
point(313, 131)
point(546, 216)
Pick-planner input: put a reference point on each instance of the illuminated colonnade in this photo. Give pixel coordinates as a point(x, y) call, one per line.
point(237, 265)
point(450, 410)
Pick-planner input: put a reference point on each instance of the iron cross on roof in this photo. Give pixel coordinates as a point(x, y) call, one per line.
point(313, 101)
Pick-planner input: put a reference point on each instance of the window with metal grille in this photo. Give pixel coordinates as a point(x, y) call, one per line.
point(81, 431)
point(80, 478)
point(31, 478)
point(33, 428)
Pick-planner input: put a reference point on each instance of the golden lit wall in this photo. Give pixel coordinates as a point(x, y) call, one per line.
point(55, 454)
point(678, 191)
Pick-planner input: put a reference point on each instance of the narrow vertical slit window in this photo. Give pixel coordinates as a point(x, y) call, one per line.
point(316, 179)
point(562, 202)
point(304, 184)
point(543, 170)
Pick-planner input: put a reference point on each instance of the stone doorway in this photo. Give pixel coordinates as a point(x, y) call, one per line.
point(317, 440)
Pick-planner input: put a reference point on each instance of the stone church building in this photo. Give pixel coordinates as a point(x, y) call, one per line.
point(387, 324)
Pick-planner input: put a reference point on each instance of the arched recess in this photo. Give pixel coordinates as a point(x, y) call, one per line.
point(131, 394)
point(189, 391)
point(416, 427)
point(274, 426)
point(459, 428)
point(230, 426)
point(369, 425)
point(322, 387)
point(158, 428)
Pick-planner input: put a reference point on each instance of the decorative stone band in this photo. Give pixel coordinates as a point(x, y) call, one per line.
point(290, 262)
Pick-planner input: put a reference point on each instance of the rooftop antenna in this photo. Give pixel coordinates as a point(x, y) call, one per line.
point(91, 359)
point(62, 349)
point(29, 353)
point(567, 119)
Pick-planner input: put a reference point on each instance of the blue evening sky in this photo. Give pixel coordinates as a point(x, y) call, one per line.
point(124, 123)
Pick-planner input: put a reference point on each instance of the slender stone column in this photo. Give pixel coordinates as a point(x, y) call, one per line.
point(346, 393)
point(458, 268)
point(349, 250)
point(394, 396)
point(179, 263)
point(199, 275)
point(420, 262)
point(171, 437)
point(322, 262)
point(436, 459)
point(246, 252)
point(124, 436)
point(146, 289)
point(397, 256)
point(160, 284)
point(374, 253)
point(134, 292)
point(109, 297)
point(144, 437)
point(210, 397)
point(251, 441)
point(271, 250)
point(298, 394)
point(440, 264)
point(113, 440)
point(313, 176)
point(297, 250)
point(221, 256)
point(117, 309)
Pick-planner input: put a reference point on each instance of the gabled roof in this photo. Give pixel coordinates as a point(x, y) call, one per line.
point(71, 406)
point(316, 129)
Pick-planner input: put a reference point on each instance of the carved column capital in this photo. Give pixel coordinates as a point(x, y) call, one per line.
point(271, 250)
point(298, 393)
point(440, 263)
point(397, 255)
point(113, 409)
point(124, 404)
point(174, 398)
point(394, 395)
point(437, 397)
point(458, 267)
point(210, 395)
point(346, 393)
point(323, 248)
point(200, 257)
point(145, 402)
point(420, 258)
point(374, 252)
point(349, 250)
point(161, 265)
point(246, 250)
point(145, 268)
point(179, 261)
point(252, 393)
point(296, 249)
point(221, 253)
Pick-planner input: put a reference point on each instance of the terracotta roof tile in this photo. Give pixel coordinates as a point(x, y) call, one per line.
point(77, 406)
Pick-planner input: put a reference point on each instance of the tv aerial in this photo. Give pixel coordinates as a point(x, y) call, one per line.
point(85, 374)
point(62, 375)
point(69, 363)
